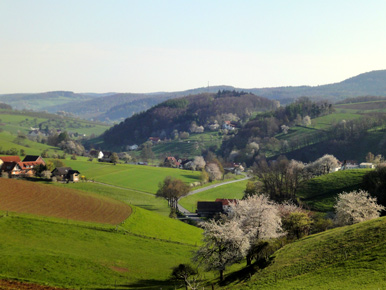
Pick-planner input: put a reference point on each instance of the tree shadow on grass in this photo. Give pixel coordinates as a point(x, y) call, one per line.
point(244, 274)
point(145, 285)
point(192, 176)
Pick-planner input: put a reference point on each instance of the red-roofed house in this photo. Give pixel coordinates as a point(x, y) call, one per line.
point(9, 159)
point(226, 203)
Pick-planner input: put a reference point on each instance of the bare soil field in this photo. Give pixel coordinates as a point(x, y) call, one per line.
point(45, 200)
point(16, 285)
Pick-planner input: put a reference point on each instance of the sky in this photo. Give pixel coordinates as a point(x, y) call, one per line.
point(151, 46)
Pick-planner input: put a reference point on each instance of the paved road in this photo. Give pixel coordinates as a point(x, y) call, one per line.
point(194, 215)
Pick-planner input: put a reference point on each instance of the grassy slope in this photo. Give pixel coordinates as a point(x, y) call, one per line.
point(137, 177)
point(76, 255)
point(22, 121)
point(352, 257)
point(30, 147)
point(145, 201)
point(319, 193)
point(189, 147)
point(233, 190)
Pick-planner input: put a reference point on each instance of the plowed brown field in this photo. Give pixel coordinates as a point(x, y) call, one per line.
point(15, 285)
point(45, 200)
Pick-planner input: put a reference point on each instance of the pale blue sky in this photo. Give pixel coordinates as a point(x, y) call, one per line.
point(148, 46)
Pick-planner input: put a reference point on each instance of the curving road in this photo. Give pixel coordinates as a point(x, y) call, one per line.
point(194, 215)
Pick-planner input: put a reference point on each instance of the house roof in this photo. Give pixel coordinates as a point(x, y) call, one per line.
point(61, 170)
point(29, 165)
point(29, 158)
point(10, 158)
point(227, 201)
point(73, 172)
point(209, 206)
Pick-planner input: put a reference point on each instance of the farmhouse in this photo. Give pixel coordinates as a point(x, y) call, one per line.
point(366, 165)
point(66, 173)
point(9, 159)
point(226, 203)
point(34, 158)
point(209, 208)
point(14, 167)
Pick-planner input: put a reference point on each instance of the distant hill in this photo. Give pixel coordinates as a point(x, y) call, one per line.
point(38, 102)
point(117, 106)
point(174, 116)
point(371, 83)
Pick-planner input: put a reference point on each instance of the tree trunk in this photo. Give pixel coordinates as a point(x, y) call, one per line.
point(221, 275)
point(249, 260)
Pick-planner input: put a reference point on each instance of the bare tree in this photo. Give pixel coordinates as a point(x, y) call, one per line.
point(356, 206)
point(187, 274)
point(224, 244)
point(258, 217)
point(172, 189)
point(280, 178)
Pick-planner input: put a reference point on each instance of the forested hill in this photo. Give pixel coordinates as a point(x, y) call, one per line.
point(177, 116)
point(367, 84)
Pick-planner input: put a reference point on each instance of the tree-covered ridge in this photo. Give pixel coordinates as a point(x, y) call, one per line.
point(178, 115)
point(268, 124)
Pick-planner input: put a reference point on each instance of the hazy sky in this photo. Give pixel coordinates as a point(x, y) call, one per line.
point(148, 46)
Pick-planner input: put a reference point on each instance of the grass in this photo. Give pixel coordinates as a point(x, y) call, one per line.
point(327, 121)
point(319, 193)
point(136, 177)
point(22, 121)
point(228, 191)
point(351, 257)
point(142, 200)
point(30, 147)
point(189, 147)
point(137, 256)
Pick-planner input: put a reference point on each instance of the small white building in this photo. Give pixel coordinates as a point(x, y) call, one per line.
point(366, 165)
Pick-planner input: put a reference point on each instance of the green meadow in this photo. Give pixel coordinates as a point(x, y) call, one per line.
point(228, 191)
point(319, 193)
point(22, 121)
point(351, 257)
point(191, 146)
point(30, 147)
point(75, 256)
point(136, 177)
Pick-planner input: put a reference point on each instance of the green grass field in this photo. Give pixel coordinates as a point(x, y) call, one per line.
point(136, 177)
point(22, 121)
point(352, 257)
point(319, 193)
point(189, 147)
point(139, 255)
point(232, 190)
point(139, 199)
point(30, 147)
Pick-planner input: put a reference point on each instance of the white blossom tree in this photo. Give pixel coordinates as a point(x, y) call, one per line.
point(214, 171)
point(259, 219)
point(356, 206)
point(224, 244)
point(306, 121)
point(323, 165)
point(199, 162)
